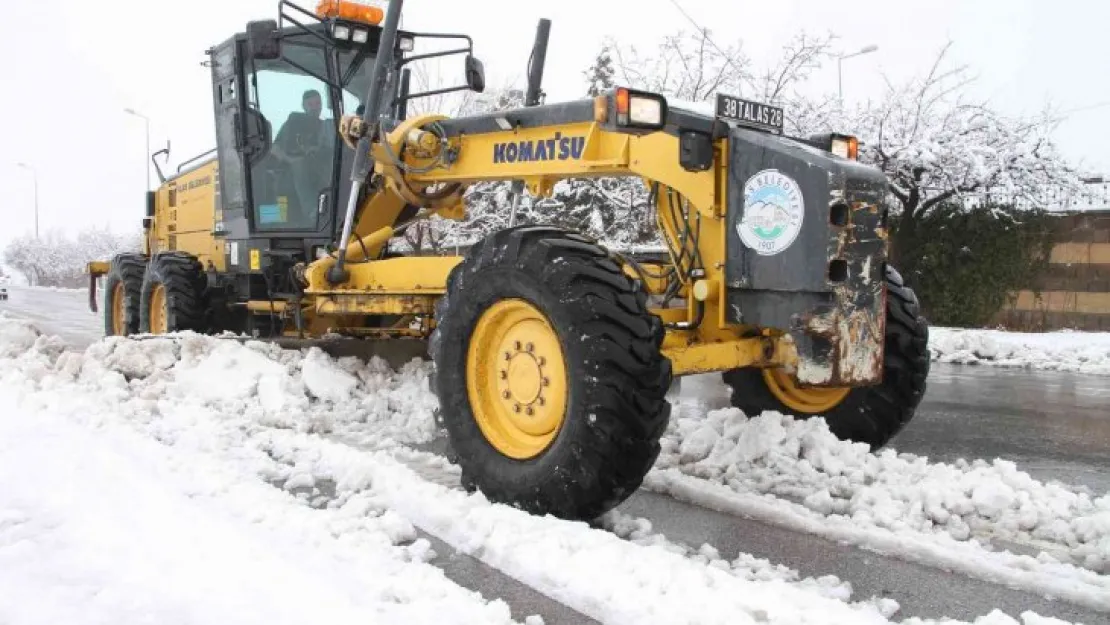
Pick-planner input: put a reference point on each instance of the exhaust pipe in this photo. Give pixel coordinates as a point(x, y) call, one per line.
point(534, 96)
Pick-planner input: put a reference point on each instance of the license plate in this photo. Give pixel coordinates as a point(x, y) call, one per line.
point(747, 113)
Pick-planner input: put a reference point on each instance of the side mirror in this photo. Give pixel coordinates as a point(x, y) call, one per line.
point(263, 43)
point(475, 74)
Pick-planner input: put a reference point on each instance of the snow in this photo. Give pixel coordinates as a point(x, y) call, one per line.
point(1080, 352)
point(199, 479)
point(797, 473)
point(744, 565)
point(109, 527)
point(58, 260)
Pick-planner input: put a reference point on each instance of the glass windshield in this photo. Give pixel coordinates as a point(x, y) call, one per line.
point(294, 109)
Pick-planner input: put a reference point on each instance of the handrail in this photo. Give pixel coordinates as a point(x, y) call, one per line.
point(194, 159)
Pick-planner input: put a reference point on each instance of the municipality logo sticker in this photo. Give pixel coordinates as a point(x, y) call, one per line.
point(773, 212)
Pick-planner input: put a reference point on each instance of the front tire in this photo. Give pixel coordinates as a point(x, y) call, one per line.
point(174, 295)
point(872, 414)
point(549, 374)
point(123, 286)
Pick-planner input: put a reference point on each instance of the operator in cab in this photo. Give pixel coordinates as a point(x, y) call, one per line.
point(303, 145)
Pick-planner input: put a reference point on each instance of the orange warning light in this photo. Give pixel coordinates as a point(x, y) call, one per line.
point(351, 11)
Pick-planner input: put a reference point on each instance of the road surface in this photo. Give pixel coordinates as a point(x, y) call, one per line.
point(1054, 425)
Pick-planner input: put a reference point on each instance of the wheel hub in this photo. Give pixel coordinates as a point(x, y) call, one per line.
point(517, 379)
point(524, 379)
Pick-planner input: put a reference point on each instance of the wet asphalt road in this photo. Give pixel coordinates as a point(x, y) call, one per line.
point(1054, 425)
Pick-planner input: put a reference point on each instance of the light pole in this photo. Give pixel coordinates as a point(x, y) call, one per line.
point(840, 67)
point(35, 177)
point(146, 159)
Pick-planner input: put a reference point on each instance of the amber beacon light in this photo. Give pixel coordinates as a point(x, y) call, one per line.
point(350, 11)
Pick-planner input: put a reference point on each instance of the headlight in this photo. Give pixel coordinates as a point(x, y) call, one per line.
point(639, 109)
point(360, 36)
point(645, 111)
point(342, 31)
point(845, 147)
point(408, 44)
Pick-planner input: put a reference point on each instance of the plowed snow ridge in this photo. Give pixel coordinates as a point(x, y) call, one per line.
point(241, 416)
point(1080, 352)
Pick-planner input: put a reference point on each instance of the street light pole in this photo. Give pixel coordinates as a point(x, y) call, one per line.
point(146, 159)
point(35, 178)
point(840, 66)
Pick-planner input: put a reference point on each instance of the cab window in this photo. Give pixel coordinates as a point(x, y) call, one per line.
point(291, 112)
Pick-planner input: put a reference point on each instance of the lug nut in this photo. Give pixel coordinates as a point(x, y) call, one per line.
point(506, 394)
point(546, 382)
point(541, 401)
point(517, 345)
point(516, 407)
point(504, 375)
point(530, 347)
point(508, 356)
point(543, 361)
point(528, 411)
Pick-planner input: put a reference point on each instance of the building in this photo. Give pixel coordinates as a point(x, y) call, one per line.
point(1075, 291)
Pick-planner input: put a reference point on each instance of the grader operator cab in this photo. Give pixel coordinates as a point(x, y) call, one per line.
point(553, 355)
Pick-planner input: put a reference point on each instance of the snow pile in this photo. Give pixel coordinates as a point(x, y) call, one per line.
point(627, 576)
point(796, 473)
point(16, 338)
point(745, 566)
point(137, 488)
point(259, 381)
point(801, 460)
point(101, 524)
point(1081, 352)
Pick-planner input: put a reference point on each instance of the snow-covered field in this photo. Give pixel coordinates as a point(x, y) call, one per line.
point(194, 479)
point(1081, 352)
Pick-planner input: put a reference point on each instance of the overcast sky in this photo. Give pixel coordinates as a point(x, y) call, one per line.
point(72, 67)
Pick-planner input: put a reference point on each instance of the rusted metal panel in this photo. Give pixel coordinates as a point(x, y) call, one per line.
point(807, 247)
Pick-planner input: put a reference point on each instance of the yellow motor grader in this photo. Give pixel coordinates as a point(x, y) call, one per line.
point(553, 355)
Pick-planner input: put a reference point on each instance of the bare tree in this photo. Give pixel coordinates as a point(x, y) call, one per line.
point(929, 137)
point(687, 66)
point(800, 57)
point(58, 260)
point(936, 144)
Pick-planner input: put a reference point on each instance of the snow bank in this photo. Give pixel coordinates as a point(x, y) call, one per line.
point(1081, 352)
point(798, 473)
point(101, 524)
point(184, 435)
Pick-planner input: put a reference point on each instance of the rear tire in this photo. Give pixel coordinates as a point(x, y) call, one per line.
point(123, 287)
point(174, 295)
point(873, 414)
point(593, 336)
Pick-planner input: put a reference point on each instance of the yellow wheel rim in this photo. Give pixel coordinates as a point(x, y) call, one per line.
point(158, 323)
point(118, 317)
point(516, 379)
point(805, 400)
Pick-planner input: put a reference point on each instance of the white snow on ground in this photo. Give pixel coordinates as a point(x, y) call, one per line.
point(745, 565)
point(797, 473)
point(135, 489)
point(99, 524)
point(1080, 352)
